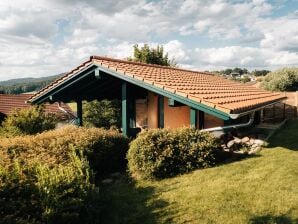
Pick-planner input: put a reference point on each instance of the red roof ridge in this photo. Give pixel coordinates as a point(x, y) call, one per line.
point(145, 64)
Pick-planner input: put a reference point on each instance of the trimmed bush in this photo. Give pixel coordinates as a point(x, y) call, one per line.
point(46, 178)
point(164, 153)
point(105, 149)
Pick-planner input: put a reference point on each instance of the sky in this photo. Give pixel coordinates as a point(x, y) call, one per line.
point(47, 37)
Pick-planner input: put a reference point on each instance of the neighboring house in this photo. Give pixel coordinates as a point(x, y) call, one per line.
point(157, 96)
point(11, 102)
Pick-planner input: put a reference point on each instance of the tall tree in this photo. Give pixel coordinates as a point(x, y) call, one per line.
point(149, 55)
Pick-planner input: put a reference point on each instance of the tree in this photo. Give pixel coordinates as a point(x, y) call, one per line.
point(102, 113)
point(260, 72)
point(149, 55)
point(285, 79)
point(28, 121)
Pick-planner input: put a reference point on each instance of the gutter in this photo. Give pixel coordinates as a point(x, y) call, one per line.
point(250, 122)
point(235, 116)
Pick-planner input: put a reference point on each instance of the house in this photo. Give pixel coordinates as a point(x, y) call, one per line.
point(156, 96)
point(11, 102)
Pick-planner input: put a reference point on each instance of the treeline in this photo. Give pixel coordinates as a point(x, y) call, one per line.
point(243, 71)
point(18, 86)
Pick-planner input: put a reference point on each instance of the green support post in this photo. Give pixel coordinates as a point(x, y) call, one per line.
point(161, 112)
point(193, 118)
point(80, 112)
point(124, 94)
point(201, 119)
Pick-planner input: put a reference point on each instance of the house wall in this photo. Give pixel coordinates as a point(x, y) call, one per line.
point(211, 121)
point(152, 110)
point(175, 117)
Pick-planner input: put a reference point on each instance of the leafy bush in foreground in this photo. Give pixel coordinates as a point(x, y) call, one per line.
point(46, 178)
point(105, 150)
point(28, 121)
point(37, 193)
point(163, 153)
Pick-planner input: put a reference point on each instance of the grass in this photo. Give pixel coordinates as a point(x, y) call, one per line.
point(259, 189)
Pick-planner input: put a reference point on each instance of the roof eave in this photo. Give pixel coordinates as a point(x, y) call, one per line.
point(235, 116)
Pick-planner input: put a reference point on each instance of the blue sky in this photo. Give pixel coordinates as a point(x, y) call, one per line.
point(40, 38)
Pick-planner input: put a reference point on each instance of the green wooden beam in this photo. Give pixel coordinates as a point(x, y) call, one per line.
point(161, 112)
point(124, 109)
point(90, 70)
point(193, 118)
point(79, 76)
point(168, 94)
point(80, 112)
point(201, 119)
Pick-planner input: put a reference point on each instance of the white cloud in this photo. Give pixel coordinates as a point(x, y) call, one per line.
point(249, 57)
point(47, 37)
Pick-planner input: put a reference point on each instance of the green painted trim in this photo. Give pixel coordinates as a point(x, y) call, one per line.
point(161, 110)
point(160, 91)
point(201, 119)
point(80, 112)
point(124, 109)
point(65, 84)
point(193, 118)
point(152, 88)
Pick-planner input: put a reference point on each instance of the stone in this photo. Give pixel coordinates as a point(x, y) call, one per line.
point(230, 143)
point(259, 142)
point(237, 140)
point(251, 141)
point(254, 146)
point(254, 151)
point(107, 181)
point(245, 140)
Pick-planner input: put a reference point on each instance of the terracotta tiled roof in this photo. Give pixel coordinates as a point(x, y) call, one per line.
point(10, 102)
point(211, 90)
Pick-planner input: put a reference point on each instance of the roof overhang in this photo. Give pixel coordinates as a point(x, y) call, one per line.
point(94, 68)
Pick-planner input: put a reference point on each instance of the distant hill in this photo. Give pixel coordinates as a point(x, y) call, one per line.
point(23, 85)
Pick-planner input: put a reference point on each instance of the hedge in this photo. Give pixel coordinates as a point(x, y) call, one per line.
point(105, 149)
point(46, 178)
point(164, 153)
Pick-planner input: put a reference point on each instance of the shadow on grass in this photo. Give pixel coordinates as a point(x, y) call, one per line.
point(287, 137)
point(269, 219)
point(223, 157)
point(124, 202)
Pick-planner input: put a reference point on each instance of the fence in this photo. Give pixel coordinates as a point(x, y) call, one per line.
point(283, 110)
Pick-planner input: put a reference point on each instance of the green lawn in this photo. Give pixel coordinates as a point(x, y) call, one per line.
point(259, 189)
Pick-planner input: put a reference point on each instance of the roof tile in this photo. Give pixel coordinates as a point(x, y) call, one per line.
point(203, 87)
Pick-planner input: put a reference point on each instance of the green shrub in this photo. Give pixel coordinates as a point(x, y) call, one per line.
point(164, 153)
point(38, 193)
point(105, 149)
point(285, 79)
point(45, 178)
point(104, 113)
point(28, 121)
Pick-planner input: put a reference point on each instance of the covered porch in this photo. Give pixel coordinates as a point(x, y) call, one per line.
point(156, 96)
